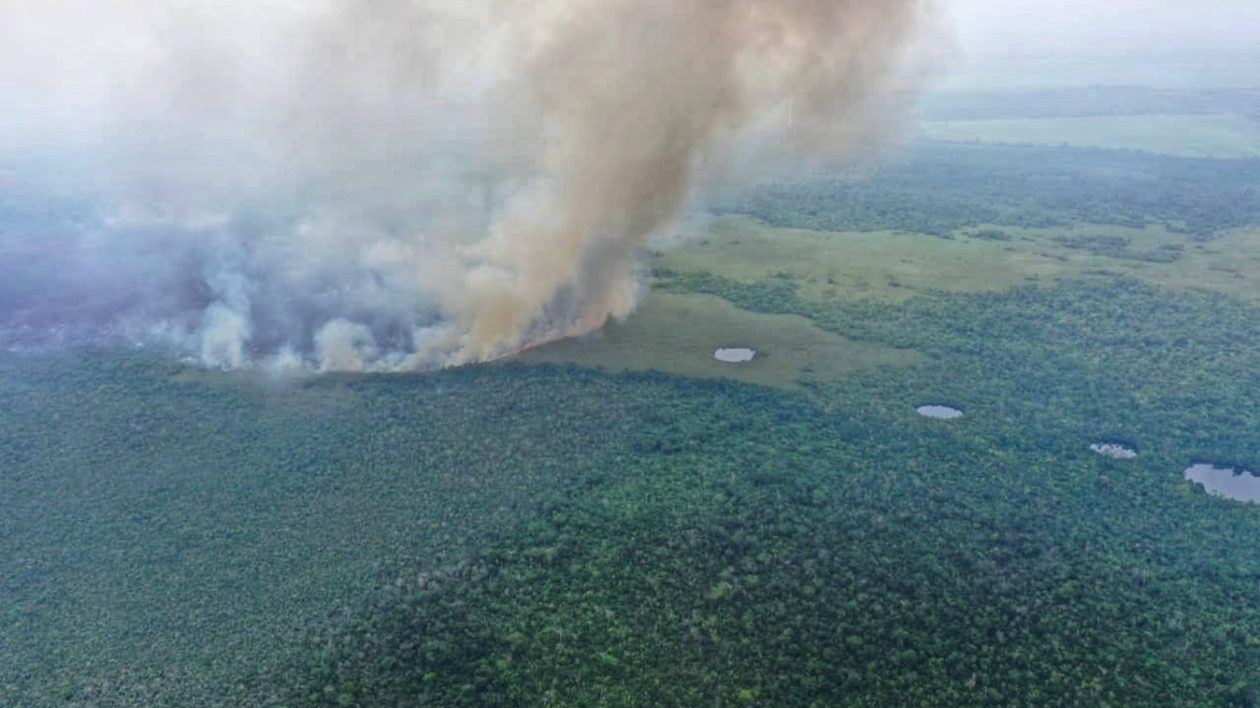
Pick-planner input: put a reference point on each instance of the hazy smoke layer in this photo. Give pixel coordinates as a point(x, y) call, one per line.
point(391, 184)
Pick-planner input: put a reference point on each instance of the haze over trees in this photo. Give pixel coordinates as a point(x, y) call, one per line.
point(622, 520)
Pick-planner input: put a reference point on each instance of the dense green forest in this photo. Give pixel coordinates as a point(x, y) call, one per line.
point(939, 188)
point(553, 535)
point(647, 539)
point(840, 551)
point(1087, 101)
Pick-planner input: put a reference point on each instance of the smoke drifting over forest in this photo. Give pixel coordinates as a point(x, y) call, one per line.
point(392, 185)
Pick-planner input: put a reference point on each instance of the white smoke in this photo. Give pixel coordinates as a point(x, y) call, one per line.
point(403, 184)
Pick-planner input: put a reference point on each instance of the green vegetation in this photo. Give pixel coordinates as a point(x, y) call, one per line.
point(1085, 101)
point(878, 265)
point(169, 535)
point(537, 534)
point(894, 266)
point(678, 333)
point(941, 188)
point(632, 526)
point(846, 552)
point(1208, 135)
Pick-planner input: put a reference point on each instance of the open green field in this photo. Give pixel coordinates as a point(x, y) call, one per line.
point(895, 266)
point(1223, 136)
point(879, 265)
point(679, 333)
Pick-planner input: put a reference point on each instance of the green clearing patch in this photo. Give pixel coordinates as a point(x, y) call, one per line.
point(1221, 136)
point(894, 266)
point(1229, 264)
point(881, 265)
point(679, 333)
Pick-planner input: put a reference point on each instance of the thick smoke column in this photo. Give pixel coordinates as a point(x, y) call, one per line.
point(385, 185)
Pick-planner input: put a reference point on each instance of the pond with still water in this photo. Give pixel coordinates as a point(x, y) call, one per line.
point(1239, 485)
point(736, 355)
point(940, 412)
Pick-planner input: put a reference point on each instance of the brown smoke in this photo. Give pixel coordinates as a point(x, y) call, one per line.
point(632, 96)
point(448, 181)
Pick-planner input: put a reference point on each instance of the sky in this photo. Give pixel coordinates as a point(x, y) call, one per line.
point(1104, 27)
point(60, 56)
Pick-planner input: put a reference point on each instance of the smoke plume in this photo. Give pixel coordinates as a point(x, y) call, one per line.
point(394, 184)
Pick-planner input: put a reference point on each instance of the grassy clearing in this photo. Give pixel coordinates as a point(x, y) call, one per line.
point(894, 266)
point(678, 333)
point(1229, 264)
point(881, 265)
point(1220, 136)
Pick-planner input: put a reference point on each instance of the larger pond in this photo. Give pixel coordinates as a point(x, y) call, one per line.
point(1239, 485)
point(736, 355)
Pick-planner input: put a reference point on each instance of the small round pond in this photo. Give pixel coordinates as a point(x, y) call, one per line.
point(939, 412)
point(735, 355)
point(1114, 450)
point(1227, 482)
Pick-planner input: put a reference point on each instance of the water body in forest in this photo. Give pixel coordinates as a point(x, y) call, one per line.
point(1239, 485)
point(737, 355)
point(938, 411)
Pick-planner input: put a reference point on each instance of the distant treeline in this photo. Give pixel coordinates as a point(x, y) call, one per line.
point(938, 189)
point(1087, 101)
